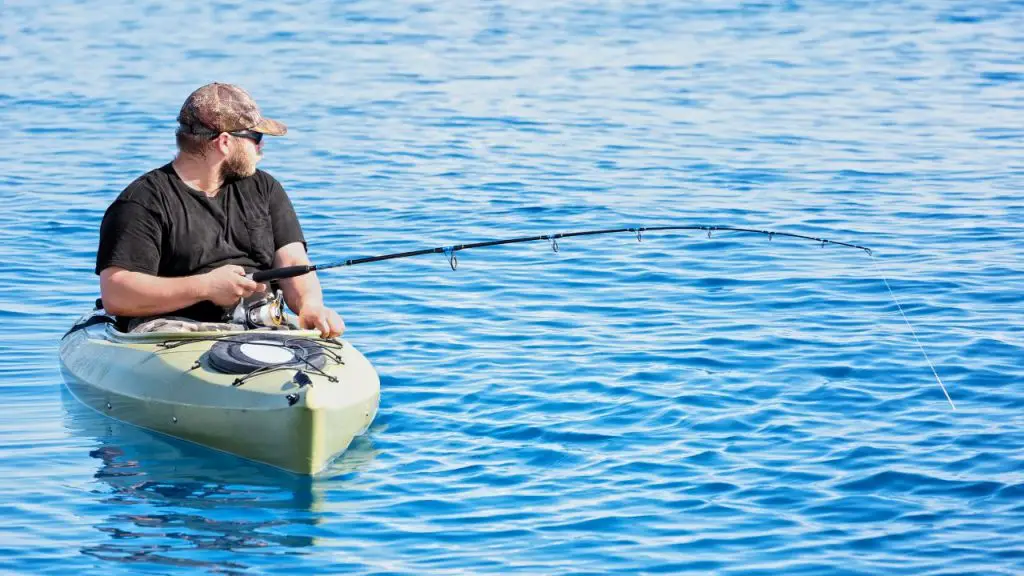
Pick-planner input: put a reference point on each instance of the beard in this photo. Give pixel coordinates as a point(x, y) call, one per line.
point(238, 165)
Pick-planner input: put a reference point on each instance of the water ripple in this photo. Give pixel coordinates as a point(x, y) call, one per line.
point(680, 405)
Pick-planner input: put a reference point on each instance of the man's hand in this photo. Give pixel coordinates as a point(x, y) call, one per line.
point(226, 285)
point(322, 318)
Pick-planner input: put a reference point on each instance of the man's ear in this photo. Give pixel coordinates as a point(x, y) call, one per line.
point(222, 143)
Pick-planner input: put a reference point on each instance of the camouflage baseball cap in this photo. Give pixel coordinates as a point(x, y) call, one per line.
point(226, 108)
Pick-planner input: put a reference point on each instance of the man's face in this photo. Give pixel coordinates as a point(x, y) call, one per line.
point(242, 159)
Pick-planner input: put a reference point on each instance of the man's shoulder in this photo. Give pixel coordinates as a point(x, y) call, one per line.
point(148, 188)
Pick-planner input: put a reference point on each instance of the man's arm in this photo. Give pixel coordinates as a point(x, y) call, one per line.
point(303, 293)
point(127, 293)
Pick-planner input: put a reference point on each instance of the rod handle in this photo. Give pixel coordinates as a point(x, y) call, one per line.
point(279, 273)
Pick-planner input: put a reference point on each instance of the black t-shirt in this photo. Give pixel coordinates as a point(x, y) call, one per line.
point(161, 226)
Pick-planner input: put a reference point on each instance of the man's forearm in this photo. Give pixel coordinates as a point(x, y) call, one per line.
point(128, 293)
point(304, 296)
point(302, 291)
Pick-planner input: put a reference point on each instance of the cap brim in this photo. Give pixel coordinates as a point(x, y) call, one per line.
point(270, 127)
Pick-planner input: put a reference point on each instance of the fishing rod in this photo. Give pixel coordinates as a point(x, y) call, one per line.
point(449, 252)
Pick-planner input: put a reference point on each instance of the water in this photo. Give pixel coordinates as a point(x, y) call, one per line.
point(681, 405)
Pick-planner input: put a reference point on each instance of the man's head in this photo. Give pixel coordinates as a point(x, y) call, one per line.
point(222, 123)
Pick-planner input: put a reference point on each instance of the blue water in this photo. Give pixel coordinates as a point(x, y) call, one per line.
point(680, 405)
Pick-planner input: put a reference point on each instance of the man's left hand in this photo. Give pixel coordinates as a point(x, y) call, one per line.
point(322, 318)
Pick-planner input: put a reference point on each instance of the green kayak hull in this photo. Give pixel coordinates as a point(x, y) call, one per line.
point(294, 423)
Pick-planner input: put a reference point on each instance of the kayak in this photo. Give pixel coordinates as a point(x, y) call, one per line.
point(283, 397)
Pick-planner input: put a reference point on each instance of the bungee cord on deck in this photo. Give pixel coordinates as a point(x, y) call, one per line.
point(453, 261)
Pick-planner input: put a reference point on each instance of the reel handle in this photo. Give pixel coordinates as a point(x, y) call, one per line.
point(259, 311)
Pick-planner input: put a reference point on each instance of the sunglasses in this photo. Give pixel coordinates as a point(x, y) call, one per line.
point(256, 137)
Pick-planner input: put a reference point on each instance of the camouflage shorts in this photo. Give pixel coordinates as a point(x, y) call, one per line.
point(179, 324)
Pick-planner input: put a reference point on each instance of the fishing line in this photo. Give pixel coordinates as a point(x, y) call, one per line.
point(449, 253)
point(912, 331)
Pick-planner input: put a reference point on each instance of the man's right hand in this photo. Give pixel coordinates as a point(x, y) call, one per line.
point(226, 285)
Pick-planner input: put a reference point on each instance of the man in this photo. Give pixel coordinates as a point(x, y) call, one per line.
point(180, 239)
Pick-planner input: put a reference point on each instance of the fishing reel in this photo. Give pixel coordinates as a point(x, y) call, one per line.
point(259, 311)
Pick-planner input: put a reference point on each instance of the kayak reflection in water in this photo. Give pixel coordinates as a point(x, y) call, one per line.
point(164, 498)
point(180, 240)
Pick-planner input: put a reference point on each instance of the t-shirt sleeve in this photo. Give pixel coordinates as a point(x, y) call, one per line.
point(282, 216)
point(130, 238)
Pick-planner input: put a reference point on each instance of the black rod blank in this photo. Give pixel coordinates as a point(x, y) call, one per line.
point(449, 251)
